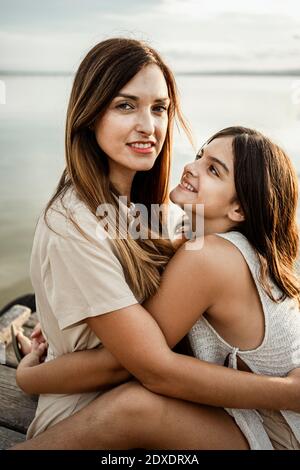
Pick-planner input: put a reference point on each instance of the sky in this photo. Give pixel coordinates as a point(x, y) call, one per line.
point(193, 35)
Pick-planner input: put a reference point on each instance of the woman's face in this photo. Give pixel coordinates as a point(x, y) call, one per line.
point(133, 129)
point(209, 180)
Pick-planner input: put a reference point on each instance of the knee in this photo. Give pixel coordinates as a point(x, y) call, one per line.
point(134, 402)
point(130, 415)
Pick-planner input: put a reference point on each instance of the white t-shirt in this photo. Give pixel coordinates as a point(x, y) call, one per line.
point(73, 278)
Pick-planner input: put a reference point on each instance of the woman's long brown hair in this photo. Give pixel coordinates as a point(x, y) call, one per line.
point(267, 189)
point(103, 72)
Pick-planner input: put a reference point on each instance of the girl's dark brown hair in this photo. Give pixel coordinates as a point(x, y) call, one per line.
point(103, 72)
point(267, 189)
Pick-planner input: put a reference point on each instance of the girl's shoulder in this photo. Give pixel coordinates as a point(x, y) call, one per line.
point(208, 267)
point(221, 254)
point(217, 243)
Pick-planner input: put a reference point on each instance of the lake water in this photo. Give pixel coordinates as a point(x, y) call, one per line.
point(32, 145)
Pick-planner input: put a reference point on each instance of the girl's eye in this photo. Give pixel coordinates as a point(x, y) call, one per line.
point(213, 170)
point(125, 106)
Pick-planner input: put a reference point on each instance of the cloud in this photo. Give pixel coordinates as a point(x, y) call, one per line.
point(208, 8)
point(191, 34)
point(67, 15)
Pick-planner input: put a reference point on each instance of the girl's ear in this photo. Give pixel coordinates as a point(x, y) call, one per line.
point(236, 213)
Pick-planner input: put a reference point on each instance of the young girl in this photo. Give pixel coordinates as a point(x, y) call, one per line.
point(87, 288)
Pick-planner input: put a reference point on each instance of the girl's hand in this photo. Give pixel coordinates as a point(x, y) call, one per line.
point(181, 233)
point(26, 367)
point(36, 355)
point(294, 375)
point(37, 334)
point(36, 337)
point(24, 343)
point(178, 242)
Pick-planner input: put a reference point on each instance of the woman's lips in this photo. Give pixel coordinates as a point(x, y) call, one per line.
point(142, 147)
point(140, 150)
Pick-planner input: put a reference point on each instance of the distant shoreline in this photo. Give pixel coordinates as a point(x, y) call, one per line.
point(229, 73)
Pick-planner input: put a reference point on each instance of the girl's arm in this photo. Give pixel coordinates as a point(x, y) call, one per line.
point(83, 371)
point(140, 345)
point(189, 286)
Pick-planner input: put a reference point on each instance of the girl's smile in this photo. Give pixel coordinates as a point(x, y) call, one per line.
point(186, 185)
point(209, 181)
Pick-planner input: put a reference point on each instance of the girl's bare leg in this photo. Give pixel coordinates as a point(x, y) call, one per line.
point(130, 416)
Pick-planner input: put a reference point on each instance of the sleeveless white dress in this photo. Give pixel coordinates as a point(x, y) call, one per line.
point(277, 355)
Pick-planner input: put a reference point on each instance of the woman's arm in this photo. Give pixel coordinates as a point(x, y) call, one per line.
point(77, 372)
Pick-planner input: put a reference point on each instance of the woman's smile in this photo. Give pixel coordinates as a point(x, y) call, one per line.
point(133, 129)
point(143, 147)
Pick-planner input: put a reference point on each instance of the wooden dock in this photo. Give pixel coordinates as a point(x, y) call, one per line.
point(17, 409)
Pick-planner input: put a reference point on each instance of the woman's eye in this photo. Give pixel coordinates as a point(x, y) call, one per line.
point(125, 106)
point(159, 109)
point(213, 170)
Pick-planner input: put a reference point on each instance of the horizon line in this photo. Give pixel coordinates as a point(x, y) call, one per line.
point(225, 72)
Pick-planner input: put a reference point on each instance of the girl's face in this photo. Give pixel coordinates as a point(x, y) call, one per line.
point(209, 180)
point(133, 129)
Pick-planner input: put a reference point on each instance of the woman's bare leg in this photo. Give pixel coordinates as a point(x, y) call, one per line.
point(130, 416)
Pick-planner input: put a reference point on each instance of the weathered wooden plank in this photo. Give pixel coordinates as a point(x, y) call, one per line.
point(8, 438)
point(16, 315)
point(32, 321)
point(10, 357)
point(17, 409)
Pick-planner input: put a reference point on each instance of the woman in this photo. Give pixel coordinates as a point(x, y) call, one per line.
point(67, 268)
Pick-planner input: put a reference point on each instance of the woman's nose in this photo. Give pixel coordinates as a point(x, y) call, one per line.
point(145, 123)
